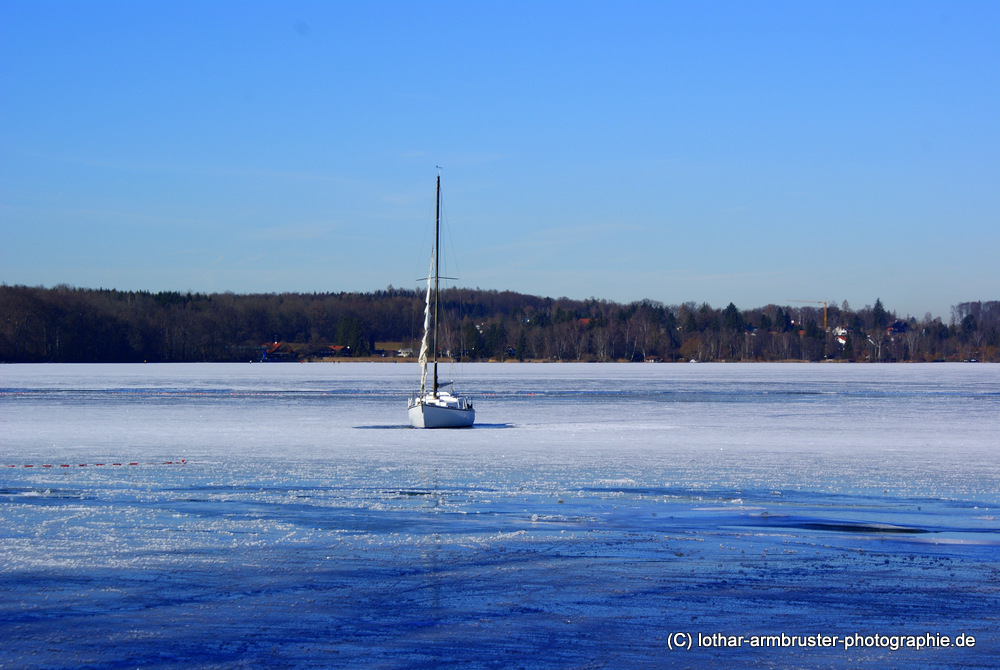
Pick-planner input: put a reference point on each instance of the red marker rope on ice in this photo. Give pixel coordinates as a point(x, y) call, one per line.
point(97, 465)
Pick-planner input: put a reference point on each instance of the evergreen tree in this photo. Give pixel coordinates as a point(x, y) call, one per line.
point(351, 335)
point(880, 319)
point(732, 319)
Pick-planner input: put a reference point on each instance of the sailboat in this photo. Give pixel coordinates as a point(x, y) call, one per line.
point(435, 406)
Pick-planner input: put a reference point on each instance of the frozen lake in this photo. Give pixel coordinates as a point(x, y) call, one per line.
point(598, 515)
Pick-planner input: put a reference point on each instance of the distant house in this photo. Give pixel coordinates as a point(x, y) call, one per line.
point(277, 352)
point(841, 334)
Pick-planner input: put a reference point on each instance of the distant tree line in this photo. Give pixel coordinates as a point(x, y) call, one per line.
point(65, 324)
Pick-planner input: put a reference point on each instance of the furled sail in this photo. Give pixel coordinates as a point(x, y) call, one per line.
point(427, 331)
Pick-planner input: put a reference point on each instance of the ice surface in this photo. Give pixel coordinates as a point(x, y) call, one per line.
point(594, 511)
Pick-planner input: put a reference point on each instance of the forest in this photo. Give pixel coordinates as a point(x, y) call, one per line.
point(79, 325)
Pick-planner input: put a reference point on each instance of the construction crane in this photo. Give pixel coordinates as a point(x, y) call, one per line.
point(816, 302)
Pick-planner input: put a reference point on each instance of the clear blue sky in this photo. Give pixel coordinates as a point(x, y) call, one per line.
point(746, 152)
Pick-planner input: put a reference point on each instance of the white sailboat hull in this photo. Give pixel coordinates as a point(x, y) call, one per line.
point(441, 411)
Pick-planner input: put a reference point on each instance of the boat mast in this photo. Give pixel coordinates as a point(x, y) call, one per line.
point(437, 278)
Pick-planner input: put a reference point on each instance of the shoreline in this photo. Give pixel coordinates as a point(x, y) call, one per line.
point(449, 361)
